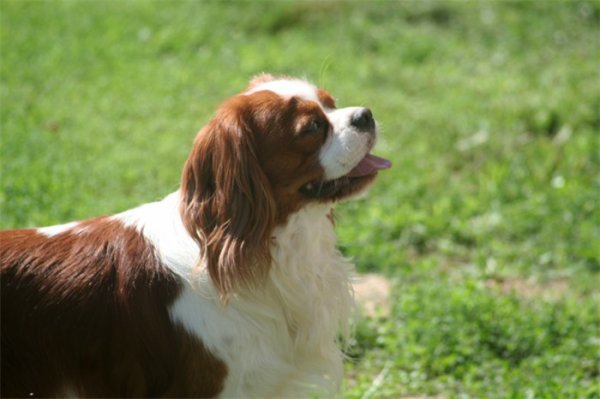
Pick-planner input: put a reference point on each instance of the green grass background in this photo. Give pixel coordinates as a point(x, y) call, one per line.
point(488, 224)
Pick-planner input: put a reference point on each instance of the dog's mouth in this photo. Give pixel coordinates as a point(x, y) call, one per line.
point(356, 180)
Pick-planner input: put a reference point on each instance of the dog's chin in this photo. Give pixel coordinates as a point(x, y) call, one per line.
point(337, 189)
point(354, 183)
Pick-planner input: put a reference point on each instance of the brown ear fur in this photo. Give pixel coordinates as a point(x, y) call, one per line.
point(227, 204)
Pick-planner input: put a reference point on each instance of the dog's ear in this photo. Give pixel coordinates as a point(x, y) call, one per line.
point(227, 203)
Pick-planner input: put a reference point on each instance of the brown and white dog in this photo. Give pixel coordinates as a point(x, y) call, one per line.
point(230, 287)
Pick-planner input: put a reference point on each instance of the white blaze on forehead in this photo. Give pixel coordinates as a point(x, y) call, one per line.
point(288, 88)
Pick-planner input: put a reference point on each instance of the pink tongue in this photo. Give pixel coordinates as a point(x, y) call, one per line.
point(369, 165)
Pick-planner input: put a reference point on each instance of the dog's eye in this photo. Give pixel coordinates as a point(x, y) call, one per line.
point(314, 126)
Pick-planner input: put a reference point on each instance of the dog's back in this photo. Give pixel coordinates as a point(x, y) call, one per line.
point(89, 306)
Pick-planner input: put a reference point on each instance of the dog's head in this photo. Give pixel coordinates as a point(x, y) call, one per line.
point(280, 145)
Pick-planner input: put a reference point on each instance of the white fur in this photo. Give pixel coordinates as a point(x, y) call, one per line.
point(278, 340)
point(51, 231)
point(288, 88)
point(161, 223)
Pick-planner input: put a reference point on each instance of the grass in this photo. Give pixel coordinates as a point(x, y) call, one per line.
point(488, 224)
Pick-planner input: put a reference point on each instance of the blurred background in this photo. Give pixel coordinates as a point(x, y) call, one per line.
point(488, 225)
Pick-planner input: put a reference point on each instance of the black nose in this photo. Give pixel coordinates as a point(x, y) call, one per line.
point(363, 119)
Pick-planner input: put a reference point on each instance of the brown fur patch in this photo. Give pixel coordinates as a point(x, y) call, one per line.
point(86, 311)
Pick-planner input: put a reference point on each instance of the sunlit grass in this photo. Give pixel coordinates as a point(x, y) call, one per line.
point(488, 223)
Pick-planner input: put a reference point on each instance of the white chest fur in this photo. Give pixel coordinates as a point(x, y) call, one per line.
point(280, 340)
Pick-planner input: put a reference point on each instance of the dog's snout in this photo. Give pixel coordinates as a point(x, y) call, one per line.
point(363, 119)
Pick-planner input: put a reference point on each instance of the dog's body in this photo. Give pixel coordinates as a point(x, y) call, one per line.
point(231, 286)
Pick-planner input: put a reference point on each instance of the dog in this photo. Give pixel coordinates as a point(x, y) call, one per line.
point(230, 287)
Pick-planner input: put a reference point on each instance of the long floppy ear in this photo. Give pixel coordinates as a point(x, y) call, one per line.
point(227, 204)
